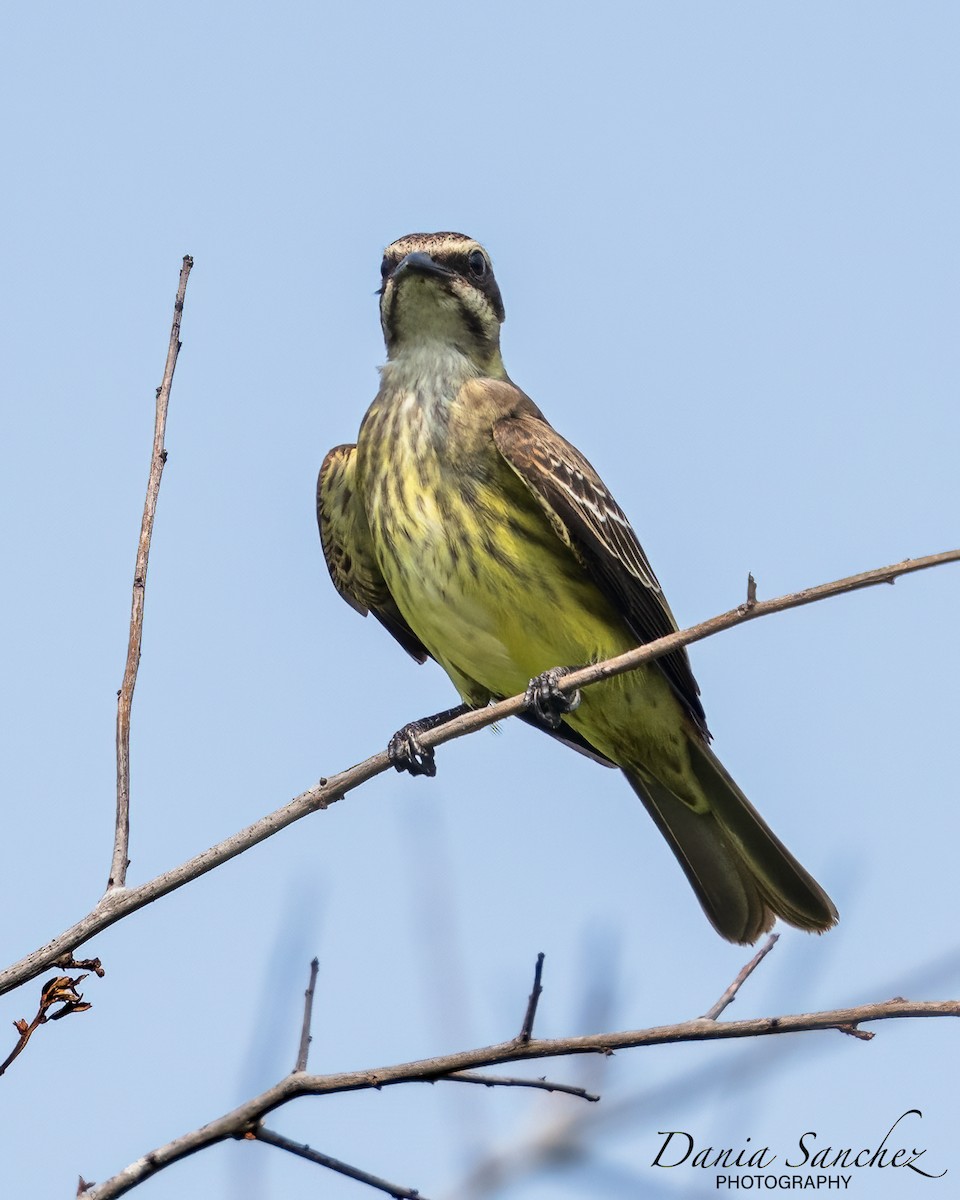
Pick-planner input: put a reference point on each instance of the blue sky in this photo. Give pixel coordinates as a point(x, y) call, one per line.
point(726, 239)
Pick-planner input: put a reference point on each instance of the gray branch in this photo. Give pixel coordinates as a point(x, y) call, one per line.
point(244, 1121)
point(121, 839)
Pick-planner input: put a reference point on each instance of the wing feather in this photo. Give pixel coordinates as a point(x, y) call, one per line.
point(348, 549)
point(591, 523)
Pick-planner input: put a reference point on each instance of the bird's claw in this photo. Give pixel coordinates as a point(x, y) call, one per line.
point(407, 753)
point(545, 699)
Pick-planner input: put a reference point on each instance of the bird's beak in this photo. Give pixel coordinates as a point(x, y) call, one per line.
point(419, 263)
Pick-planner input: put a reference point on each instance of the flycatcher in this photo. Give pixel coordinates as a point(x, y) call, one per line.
point(482, 539)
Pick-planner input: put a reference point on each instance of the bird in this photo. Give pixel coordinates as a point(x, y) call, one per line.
point(482, 539)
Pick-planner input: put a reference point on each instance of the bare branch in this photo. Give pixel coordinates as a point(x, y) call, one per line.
point(730, 994)
point(305, 1038)
point(119, 903)
point(121, 839)
point(543, 1085)
point(244, 1121)
point(335, 1164)
point(526, 1030)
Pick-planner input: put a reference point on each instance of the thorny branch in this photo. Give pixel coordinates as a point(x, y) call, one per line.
point(119, 903)
point(121, 840)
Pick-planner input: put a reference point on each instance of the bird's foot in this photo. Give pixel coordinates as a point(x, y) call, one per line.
point(545, 698)
point(408, 753)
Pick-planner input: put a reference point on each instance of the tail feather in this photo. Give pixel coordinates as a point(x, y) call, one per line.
point(742, 874)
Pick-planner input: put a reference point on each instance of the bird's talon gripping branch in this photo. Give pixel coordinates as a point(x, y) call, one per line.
point(544, 697)
point(405, 750)
point(407, 753)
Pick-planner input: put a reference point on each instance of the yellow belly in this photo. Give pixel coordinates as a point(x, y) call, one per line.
point(492, 591)
point(495, 620)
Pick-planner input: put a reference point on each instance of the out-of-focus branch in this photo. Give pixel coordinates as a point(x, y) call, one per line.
point(526, 1030)
point(335, 1164)
point(243, 1122)
point(118, 903)
point(305, 1038)
point(541, 1084)
point(121, 839)
point(572, 1133)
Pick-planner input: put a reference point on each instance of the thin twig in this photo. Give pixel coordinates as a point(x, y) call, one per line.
point(730, 994)
point(544, 1085)
point(117, 904)
point(121, 839)
point(335, 1164)
point(526, 1029)
point(241, 1121)
point(305, 1038)
point(60, 990)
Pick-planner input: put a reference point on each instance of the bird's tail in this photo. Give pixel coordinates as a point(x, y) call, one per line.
point(743, 875)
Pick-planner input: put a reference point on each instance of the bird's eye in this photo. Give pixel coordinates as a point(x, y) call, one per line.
point(477, 263)
point(385, 267)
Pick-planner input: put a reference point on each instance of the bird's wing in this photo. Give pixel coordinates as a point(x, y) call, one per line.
point(593, 526)
point(348, 549)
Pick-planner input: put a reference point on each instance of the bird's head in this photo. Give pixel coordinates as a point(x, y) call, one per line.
point(439, 288)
